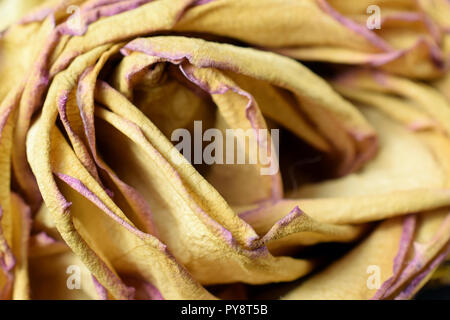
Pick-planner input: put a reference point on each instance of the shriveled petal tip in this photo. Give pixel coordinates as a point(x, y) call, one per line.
point(298, 229)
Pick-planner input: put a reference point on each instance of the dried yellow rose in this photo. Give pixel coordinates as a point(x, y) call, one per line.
point(93, 92)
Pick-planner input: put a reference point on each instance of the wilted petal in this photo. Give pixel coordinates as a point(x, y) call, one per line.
point(352, 277)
